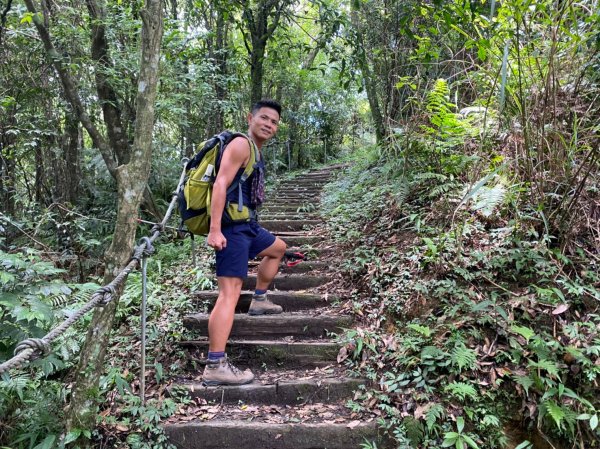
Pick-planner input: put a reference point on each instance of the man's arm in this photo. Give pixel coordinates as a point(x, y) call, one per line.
point(235, 156)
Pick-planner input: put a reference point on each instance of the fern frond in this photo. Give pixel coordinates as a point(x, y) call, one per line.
point(427, 176)
point(488, 198)
point(463, 357)
point(555, 411)
point(461, 390)
point(435, 412)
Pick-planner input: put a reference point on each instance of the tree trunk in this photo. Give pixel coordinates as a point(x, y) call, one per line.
point(70, 149)
point(260, 31)
point(131, 183)
point(369, 81)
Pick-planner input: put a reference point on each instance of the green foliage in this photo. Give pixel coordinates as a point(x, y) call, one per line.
point(484, 311)
point(26, 284)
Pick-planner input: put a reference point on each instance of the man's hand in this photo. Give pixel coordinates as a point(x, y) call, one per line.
point(216, 240)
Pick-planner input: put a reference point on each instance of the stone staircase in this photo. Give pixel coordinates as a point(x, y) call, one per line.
point(298, 397)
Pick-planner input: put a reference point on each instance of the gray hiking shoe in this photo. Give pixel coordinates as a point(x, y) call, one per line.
point(222, 372)
point(260, 305)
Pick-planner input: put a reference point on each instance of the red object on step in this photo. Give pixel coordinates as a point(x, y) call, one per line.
point(293, 258)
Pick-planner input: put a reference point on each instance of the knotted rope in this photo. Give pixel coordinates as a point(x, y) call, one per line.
point(32, 348)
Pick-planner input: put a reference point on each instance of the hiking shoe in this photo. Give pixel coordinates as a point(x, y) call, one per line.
point(260, 305)
point(221, 372)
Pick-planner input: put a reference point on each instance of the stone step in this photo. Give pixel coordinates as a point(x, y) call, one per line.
point(259, 435)
point(300, 240)
point(290, 209)
point(287, 216)
point(290, 301)
point(277, 202)
point(295, 190)
point(293, 197)
point(303, 194)
point(271, 354)
point(315, 254)
point(305, 266)
point(288, 282)
point(282, 392)
point(288, 225)
point(298, 326)
point(311, 183)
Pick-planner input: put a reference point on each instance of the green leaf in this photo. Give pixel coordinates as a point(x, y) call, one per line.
point(524, 381)
point(526, 332)
point(460, 424)
point(470, 441)
point(524, 445)
point(594, 422)
point(48, 443)
point(556, 412)
point(27, 17)
point(72, 436)
point(423, 330)
point(449, 439)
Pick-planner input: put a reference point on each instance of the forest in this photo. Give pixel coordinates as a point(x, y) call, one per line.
point(465, 207)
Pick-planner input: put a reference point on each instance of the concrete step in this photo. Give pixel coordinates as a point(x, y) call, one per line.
point(282, 392)
point(259, 435)
point(306, 266)
point(311, 183)
point(275, 209)
point(288, 282)
point(267, 216)
point(279, 202)
point(299, 326)
point(295, 190)
point(289, 224)
point(290, 301)
point(271, 354)
point(300, 240)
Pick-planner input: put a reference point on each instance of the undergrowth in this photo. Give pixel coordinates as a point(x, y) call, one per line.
point(35, 299)
point(478, 328)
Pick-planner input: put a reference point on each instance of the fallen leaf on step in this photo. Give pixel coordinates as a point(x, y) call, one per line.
point(353, 424)
point(560, 309)
point(342, 355)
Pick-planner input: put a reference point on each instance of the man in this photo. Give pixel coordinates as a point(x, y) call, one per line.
point(235, 244)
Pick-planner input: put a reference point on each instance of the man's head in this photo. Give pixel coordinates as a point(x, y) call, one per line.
point(263, 120)
point(266, 103)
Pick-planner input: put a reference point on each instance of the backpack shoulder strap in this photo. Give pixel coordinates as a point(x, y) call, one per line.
point(226, 137)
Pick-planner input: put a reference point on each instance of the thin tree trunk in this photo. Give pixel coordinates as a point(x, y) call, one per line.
point(260, 31)
point(369, 81)
point(131, 182)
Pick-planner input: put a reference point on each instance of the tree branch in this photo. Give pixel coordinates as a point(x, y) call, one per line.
point(71, 91)
point(106, 93)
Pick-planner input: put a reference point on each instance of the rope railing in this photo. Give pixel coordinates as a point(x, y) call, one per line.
point(32, 348)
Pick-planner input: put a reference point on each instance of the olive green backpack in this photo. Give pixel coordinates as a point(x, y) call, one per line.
point(195, 194)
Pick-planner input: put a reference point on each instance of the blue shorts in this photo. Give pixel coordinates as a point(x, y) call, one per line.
point(245, 241)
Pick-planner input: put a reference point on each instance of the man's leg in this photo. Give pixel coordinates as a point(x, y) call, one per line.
point(268, 268)
point(218, 370)
point(269, 265)
point(221, 317)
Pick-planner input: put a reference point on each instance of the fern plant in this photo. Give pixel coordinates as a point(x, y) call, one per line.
point(444, 121)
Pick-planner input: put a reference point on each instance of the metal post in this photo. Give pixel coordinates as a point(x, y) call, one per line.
point(193, 246)
point(143, 361)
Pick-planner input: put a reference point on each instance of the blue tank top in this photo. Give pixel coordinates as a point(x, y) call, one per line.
point(233, 196)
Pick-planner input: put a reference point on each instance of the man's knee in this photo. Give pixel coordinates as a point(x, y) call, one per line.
point(276, 250)
point(229, 288)
point(279, 248)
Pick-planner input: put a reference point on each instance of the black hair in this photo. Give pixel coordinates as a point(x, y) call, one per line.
point(266, 103)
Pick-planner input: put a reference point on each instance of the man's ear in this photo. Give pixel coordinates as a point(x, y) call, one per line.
point(249, 117)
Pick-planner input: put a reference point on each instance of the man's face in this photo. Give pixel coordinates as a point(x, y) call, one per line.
point(263, 123)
